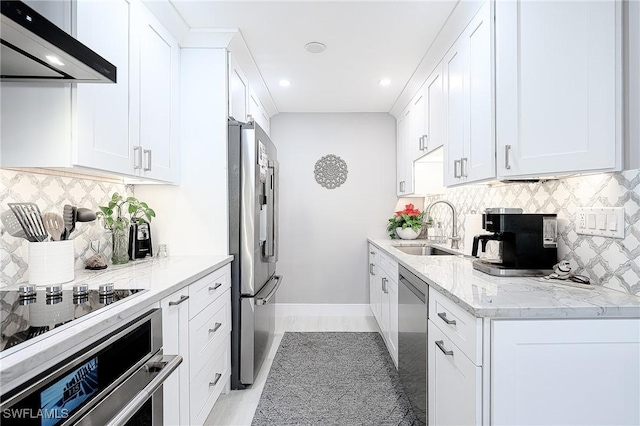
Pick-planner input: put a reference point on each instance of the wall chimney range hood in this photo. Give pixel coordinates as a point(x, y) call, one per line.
point(34, 49)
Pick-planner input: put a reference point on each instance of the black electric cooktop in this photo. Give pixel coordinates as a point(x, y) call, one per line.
point(31, 311)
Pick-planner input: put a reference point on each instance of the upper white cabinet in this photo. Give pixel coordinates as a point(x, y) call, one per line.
point(102, 111)
point(404, 153)
point(238, 92)
point(433, 136)
point(129, 128)
point(558, 87)
point(257, 111)
point(467, 77)
point(154, 98)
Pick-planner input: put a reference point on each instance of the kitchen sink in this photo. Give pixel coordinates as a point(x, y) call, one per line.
point(423, 250)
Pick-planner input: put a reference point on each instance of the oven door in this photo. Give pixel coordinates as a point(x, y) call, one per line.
point(116, 380)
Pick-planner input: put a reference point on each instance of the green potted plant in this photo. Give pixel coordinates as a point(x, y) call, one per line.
point(115, 221)
point(406, 223)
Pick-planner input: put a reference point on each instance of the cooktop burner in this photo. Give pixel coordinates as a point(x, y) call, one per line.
point(30, 311)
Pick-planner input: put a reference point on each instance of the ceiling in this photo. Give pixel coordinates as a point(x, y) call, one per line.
point(365, 42)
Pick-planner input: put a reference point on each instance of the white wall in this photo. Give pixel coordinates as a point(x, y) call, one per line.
point(323, 250)
point(192, 219)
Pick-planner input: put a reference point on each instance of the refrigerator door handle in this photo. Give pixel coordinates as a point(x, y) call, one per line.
point(264, 300)
point(271, 247)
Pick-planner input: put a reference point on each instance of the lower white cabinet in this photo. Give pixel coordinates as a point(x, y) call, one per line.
point(383, 287)
point(197, 325)
point(530, 372)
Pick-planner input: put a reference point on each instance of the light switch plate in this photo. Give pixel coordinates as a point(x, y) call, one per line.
point(601, 221)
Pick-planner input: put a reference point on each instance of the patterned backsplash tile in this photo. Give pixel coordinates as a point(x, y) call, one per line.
point(614, 263)
point(51, 191)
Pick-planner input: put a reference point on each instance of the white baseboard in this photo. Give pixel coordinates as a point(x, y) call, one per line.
point(325, 309)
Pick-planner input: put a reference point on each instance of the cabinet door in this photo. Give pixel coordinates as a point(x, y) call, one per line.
point(454, 65)
point(434, 110)
point(454, 383)
point(478, 162)
point(403, 186)
point(558, 92)
point(155, 97)
point(415, 142)
point(238, 91)
point(175, 340)
point(374, 292)
point(384, 305)
point(583, 372)
point(392, 294)
point(101, 111)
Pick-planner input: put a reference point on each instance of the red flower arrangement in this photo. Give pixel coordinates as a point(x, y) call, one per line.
point(410, 217)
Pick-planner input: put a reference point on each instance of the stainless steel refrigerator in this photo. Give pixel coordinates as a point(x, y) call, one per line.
point(253, 241)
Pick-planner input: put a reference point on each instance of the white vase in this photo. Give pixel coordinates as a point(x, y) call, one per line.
point(407, 233)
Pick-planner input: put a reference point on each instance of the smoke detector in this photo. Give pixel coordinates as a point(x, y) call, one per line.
point(315, 47)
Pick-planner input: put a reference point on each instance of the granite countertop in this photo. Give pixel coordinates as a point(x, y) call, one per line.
point(487, 296)
point(161, 277)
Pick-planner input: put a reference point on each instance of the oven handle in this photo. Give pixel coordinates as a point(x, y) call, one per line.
point(138, 401)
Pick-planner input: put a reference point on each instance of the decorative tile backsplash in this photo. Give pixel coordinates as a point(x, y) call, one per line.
point(51, 191)
point(614, 263)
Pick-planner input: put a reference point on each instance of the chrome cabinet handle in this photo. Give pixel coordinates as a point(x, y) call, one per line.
point(443, 315)
point(372, 269)
point(215, 328)
point(464, 167)
point(440, 344)
point(507, 152)
point(384, 285)
point(182, 299)
point(456, 163)
point(137, 158)
point(425, 142)
point(215, 287)
point(421, 143)
point(372, 252)
point(401, 186)
point(147, 152)
point(216, 380)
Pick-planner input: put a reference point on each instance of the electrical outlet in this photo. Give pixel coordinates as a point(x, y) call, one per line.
point(601, 221)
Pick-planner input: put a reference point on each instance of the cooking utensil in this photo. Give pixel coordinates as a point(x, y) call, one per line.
point(69, 215)
point(85, 215)
point(30, 218)
point(54, 224)
point(11, 224)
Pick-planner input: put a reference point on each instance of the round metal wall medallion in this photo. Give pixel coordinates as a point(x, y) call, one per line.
point(331, 171)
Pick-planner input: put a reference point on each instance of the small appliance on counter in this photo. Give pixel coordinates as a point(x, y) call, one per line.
point(140, 240)
point(520, 244)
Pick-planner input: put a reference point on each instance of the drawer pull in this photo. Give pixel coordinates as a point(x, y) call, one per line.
point(215, 328)
point(215, 287)
point(440, 344)
point(443, 315)
point(216, 380)
point(182, 299)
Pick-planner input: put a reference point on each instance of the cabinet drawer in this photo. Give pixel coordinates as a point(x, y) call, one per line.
point(207, 330)
point(207, 289)
point(389, 265)
point(455, 383)
point(207, 386)
point(460, 326)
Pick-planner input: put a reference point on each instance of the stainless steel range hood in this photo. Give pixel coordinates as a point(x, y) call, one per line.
point(34, 49)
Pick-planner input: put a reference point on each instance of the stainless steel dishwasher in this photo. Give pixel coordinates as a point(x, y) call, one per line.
point(412, 340)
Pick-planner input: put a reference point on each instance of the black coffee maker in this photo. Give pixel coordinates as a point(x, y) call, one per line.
point(528, 243)
point(140, 240)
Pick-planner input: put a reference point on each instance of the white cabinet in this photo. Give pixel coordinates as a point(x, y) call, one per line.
point(154, 97)
point(454, 383)
point(383, 288)
point(469, 146)
point(433, 135)
point(175, 340)
point(404, 154)
point(238, 91)
point(558, 87)
point(581, 372)
point(257, 111)
point(103, 139)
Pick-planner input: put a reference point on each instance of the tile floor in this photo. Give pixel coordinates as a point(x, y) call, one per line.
point(238, 407)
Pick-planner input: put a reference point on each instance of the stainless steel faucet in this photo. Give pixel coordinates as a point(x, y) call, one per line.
point(455, 239)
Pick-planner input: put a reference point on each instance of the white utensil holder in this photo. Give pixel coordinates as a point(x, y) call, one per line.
point(51, 262)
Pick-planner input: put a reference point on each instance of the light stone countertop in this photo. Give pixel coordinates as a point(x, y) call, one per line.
point(487, 296)
point(161, 277)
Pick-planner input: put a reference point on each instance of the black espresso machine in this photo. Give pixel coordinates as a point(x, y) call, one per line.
point(527, 244)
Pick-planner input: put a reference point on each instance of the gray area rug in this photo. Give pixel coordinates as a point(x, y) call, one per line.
point(333, 379)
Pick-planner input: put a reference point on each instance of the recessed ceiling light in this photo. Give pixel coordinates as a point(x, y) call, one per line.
point(54, 60)
point(285, 83)
point(384, 82)
point(315, 47)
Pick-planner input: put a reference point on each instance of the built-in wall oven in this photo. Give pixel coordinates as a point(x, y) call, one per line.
point(413, 296)
point(114, 381)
